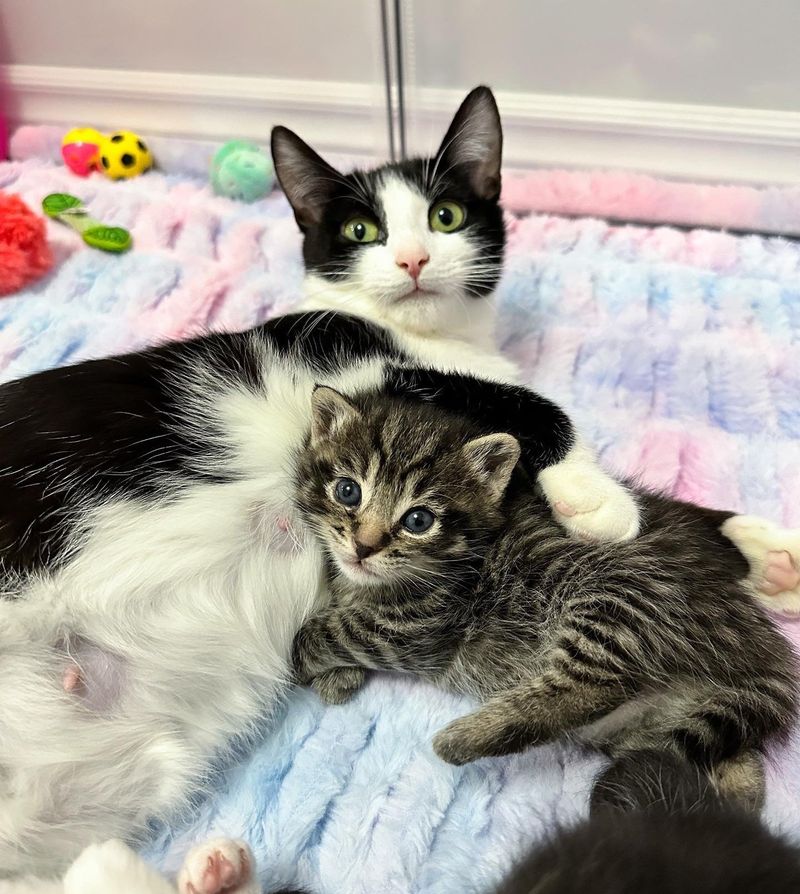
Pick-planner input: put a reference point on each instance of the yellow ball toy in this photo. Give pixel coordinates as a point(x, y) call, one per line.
point(124, 155)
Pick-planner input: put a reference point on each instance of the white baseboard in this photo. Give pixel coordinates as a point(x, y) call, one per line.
point(694, 142)
point(707, 143)
point(337, 117)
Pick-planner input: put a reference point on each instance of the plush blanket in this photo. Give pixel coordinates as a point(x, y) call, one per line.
point(677, 354)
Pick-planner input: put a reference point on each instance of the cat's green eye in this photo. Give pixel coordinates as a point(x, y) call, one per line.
point(360, 229)
point(447, 217)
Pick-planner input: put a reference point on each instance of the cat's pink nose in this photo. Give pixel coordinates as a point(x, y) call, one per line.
point(412, 260)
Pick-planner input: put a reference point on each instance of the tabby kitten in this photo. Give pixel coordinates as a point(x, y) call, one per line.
point(445, 564)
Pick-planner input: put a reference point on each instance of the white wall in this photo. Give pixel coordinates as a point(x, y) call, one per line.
point(298, 39)
point(718, 52)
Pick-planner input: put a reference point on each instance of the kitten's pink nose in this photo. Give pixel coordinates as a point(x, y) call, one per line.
point(412, 260)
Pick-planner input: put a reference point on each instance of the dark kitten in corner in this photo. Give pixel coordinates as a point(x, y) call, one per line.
point(661, 853)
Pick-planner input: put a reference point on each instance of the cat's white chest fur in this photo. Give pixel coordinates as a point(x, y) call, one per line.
point(446, 335)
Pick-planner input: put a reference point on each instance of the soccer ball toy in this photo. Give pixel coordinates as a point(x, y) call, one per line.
point(124, 155)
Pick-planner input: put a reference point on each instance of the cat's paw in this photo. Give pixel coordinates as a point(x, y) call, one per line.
point(773, 554)
point(219, 866)
point(589, 504)
point(479, 735)
point(339, 685)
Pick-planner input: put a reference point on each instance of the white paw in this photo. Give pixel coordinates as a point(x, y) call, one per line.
point(218, 866)
point(774, 557)
point(113, 866)
point(588, 503)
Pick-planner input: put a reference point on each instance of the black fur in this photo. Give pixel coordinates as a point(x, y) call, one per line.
point(660, 853)
point(326, 342)
point(650, 779)
point(544, 431)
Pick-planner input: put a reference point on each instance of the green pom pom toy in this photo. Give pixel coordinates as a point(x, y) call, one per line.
point(241, 170)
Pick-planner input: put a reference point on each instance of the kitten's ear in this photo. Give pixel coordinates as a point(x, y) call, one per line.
point(329, 412)
point(474, 142)
point(307, 179)
point(493, 458)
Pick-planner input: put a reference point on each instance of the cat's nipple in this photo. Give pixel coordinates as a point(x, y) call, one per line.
point(71, 679)
point(285, 539)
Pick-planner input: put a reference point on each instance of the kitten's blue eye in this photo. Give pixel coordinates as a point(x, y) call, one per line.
point(347, 492)
point(418, 521)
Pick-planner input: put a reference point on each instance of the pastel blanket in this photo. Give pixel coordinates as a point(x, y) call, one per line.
point(676, 352)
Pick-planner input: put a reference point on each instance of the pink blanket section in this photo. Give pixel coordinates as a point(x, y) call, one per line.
point(624, 196)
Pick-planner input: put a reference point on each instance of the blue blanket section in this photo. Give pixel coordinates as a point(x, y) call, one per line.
point(353, 799)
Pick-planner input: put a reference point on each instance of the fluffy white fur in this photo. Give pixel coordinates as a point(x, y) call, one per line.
point(194, 599)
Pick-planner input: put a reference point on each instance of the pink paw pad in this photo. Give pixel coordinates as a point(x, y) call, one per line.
point(780, 573)
point(566, 509)
point(220, 875)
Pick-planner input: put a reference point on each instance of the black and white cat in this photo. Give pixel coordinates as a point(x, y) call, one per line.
point(154, 570)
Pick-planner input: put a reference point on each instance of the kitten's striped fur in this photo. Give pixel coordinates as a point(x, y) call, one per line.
point(629, 647)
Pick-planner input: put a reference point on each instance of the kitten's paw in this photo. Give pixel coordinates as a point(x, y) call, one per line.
point(589, 504)
point(218, 866)
point(339, 685)
point(478, 735)
point(774, 557)
point(304, 651)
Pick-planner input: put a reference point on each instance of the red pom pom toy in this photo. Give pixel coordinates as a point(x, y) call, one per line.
point(24, 252)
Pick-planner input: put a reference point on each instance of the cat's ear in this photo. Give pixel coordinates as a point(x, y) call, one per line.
point(492, 458)
point(474, 143)
point(306, 178)
point(329, 412)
